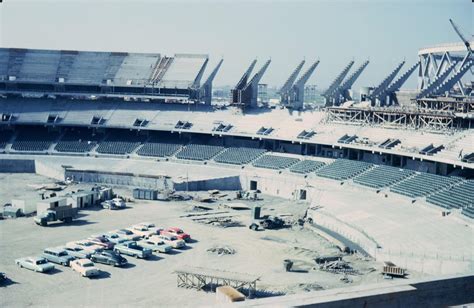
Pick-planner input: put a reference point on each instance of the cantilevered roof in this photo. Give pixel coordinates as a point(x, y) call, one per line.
point(98, 68)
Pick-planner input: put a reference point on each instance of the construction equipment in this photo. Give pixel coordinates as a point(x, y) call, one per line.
point(390, 269)
point(63, 213)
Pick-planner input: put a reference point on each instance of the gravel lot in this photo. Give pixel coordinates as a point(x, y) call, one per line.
point(152, 282)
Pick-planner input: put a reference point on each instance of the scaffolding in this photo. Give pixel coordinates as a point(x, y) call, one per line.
point(200, 278)
point(389, 117)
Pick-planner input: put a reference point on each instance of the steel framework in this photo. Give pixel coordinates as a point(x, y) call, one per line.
point(390, 117)
point(199, 278)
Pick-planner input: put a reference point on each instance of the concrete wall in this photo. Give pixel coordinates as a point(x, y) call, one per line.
point(431, 292)
point(227, 183)
point(50, 170)
point(17, 166)
point(119, 179)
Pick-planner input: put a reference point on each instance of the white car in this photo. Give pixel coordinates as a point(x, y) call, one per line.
point(36, 264)
point(86, 245)
point(85, 267)
point(142, 231)
point(173, 241)
point(151, 226)
point(114, 204)
point(155, 243)
point(127, 234)
point(115, 238)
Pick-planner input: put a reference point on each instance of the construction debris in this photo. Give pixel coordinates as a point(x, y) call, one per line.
point(220, 221)
point(221, 251)
point(338, 267)
point(324, 259)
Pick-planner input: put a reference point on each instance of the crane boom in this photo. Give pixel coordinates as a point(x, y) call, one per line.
point(459, 33)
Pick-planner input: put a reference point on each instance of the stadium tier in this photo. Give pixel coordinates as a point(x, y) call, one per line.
point(159, 147)
point(343, 169)
point(423, 184)
point(468, 211)
point(382, 176)
point(77, 141)
point(306, 166)
point(458, 196)
point(5, 136)
point(120, 143)
point(199, 152)
point(274, 162)
point(113, 114)
point(100, 73)
point(239, 156)
point(37, 140)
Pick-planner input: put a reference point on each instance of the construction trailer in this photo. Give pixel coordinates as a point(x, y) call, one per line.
point(50, 203)
point(83, 199)
point(145, 194)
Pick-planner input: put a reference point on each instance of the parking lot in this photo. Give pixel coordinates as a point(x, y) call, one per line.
point(152, 281)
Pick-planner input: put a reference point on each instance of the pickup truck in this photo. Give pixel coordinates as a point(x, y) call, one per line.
point(131, 248)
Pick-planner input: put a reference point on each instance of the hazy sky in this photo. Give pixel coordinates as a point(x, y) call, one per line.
point(335, 32)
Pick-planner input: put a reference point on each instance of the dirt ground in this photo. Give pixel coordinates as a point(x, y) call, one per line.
point(153, 282)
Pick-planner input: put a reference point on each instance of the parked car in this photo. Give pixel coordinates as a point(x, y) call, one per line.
point(179, 233)
point(172, 240)
point(85, 267)
point(3, 277)
point(86, 245)
point(108, 257)
point(114, 204)
point(152, 227)
point(133, 249)
point(129, 235)
point(102, 240)
point(115, 238)
point(57, 255)
point(78, 252)
point(155, 244)
point(36, 264)
point(142, 231)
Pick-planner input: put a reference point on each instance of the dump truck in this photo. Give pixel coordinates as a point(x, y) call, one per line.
point(65, 213)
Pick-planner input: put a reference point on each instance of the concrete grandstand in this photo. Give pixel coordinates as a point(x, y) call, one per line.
point(397, 190)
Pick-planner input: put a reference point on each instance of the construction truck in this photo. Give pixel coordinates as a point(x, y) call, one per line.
point(65, 213)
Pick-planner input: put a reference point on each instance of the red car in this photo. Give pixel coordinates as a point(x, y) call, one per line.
point(102, 241)
point(179, 233)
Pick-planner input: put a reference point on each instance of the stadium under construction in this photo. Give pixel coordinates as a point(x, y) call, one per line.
point(148, 120)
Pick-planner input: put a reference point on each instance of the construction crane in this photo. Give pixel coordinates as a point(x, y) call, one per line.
point(468, 55)
point(459, 33)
